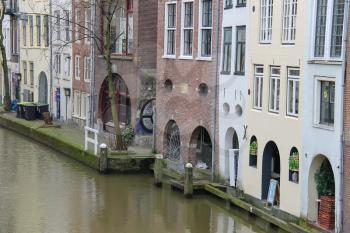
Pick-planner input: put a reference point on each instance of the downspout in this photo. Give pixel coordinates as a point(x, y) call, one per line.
point(93, 70)
point(342, 119)
point(50, 54)
point(218, 30)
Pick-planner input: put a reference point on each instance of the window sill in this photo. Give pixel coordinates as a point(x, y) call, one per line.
point(204, 59)
point(75, 78)
point(241, 5)
point(273, 113)
point(255, 109)
point(121, 57)
point(239, 73)
point(169, 56)
point(228, 7)
point(265, 43)
point(287, 44)
point(87, 80)
point(225, 72)
point(324, 62)
point(184, 57)
point(292, 117)
point(79, 117)
point(325, 127)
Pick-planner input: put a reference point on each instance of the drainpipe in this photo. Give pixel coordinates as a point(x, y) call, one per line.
point(218, 28)
point(344, 63)
point(50, 44)
point(93, 70)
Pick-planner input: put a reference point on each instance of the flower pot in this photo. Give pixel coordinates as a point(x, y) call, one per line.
point(326, 214)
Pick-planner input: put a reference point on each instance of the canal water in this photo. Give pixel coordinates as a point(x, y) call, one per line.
point(44, 191)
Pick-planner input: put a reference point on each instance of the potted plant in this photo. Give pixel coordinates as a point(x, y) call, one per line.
point(294, 162)
point(326, 190)
point(253, 148)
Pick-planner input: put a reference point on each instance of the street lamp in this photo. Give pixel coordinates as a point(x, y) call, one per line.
point(67, 94)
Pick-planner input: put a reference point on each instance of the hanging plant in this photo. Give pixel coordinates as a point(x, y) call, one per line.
point(294, 161)
point(253, 148)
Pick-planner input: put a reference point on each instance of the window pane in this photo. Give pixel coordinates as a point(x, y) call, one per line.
point(206, 42)
point(206, 13)
point(227, 50)
point(240, 49)
point(337, 28)
point(320, 35)
point(171, 15)
point(188, 22)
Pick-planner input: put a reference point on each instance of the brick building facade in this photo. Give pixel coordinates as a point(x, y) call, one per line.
point(187, 63)
point(133, 64)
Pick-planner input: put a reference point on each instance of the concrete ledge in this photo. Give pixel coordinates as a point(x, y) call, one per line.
point(50, 139)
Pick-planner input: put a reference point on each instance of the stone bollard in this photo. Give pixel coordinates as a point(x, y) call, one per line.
point(103, 158)
point(188, 185)
point(158, 170)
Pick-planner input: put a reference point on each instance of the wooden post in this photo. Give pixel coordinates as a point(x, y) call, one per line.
point(188, 185)
point(158, 170)
point(103, 158)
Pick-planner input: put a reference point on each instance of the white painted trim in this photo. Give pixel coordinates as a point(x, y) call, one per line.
point(200, 28)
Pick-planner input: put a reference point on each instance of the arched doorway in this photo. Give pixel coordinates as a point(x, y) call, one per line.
point(172, 143)
point(320, 168)
point(43, 89)
point(201, 148)
point(231, 155)
point(271, 168)
point(123, 102)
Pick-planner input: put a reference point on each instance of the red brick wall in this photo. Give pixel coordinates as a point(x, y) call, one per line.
point(184, 104)
point(143, 59)
point(346, 169)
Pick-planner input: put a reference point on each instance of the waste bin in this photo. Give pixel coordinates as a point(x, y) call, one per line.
point(30, 111)
point(40, 109)
point(20, 111)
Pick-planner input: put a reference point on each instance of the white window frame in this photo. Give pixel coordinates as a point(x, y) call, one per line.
point(166, 29)
point(58, 63)
point(77, 25)
point(77, 68)
point(258, 80)
point(328, 33)
point(317, 103)
point(87, 26)
point(83, 105)
point(274, 106)
point(183, 28)
point(76, 103)
point(87, 69)
point(200, 28)
point(296, 81)
point(289, 21)
point(67, 65)
point(266, 20)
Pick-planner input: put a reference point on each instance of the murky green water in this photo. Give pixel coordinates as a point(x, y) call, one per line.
point(43, 191)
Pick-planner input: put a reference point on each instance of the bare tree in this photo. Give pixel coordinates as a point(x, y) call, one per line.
point(7, 98)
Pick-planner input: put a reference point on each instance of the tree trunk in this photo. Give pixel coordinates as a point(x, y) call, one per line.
point(7, 98)
point(111, 87)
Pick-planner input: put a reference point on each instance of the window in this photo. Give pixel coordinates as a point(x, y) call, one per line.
point(87, 68)
point(38, 30)
point(66, 26)
point(25, 72)
point(240, 50)
point(170, 29)
point(206, 27)
point(67, 66)
point(31, 73)
point(58, 24)
point(77, 26)
point(337, 28)
point(77, 67)
point(293, 91)
point(187, 28)
point(258, 86)
point(88, 25)
point(322, 39)
point(326, 101)
point(46, 30)
point(122, 28)
point(24, 32)
point(228, 3)
point(77, 102)
point(289, 21)
point(241, 3)
point(266, 21)
point(31, 35)
point(58, 63)
point(226, 60)
point(83, 105)
point(14, 34)
point(274, 100)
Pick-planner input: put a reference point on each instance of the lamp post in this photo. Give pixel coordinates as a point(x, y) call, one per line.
point(67, 94)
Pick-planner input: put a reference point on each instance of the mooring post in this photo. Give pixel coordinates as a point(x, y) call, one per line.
point(158, 170)
point(103, 158)
point(188, 185)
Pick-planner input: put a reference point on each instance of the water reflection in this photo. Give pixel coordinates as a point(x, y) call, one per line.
point(42, 191)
